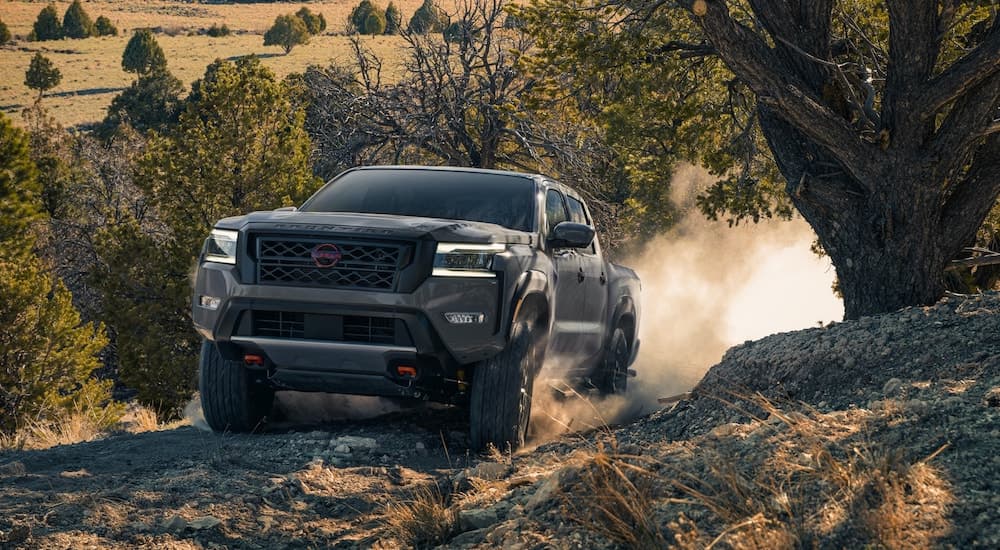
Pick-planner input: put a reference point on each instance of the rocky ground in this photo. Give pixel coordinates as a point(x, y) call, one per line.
point(881, 432)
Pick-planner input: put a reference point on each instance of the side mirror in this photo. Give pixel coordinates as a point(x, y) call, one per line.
point(286, 209)
point(571, 235)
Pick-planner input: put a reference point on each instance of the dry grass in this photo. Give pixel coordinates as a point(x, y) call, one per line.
point(73, 428)
point(425, 519)
point(143, 419)
point(803, 479)
point(91, 68)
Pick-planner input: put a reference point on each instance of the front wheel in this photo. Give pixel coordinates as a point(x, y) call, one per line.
point(230, 397)
point(500, 401)
point(612, 376)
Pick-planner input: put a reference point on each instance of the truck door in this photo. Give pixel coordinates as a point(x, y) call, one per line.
point(595, 288)
point(569, 306)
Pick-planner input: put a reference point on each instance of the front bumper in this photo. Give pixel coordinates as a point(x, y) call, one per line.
point(318, 359)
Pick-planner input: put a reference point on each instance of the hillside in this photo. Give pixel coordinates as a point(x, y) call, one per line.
point(880, 432)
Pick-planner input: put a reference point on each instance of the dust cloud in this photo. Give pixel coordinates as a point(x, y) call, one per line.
point(304, 409)
point(705, 288)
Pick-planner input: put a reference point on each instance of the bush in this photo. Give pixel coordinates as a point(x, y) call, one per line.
point(48, 355)
point(314, 22)
point(360, 15)
point(288, 31)
point(42, 75)
point(151, 103)
point(47, 25)
point(375, 23)
point(76, 22)
point(393, 19)
point(105, 27)
point(143, 54)
point(4, 33)
point(459, 32)
point(216, 30)
point(428, 18)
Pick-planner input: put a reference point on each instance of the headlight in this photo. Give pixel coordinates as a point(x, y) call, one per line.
point(220, 246)
point(466, 260)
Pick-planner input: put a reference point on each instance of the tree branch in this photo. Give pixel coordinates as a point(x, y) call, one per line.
point(963, 75)
point(967, 206)
point(913, 50)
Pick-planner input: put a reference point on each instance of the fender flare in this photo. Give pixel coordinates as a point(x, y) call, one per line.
point(530, 283)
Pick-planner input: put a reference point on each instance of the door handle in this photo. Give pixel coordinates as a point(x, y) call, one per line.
point(580, 276)
point(604, 278)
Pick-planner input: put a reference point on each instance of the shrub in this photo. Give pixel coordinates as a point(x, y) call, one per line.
point(315, 22)
point(47, 25)
point(151, 103)
point(4, 33)
point(358, 22)
point(76, 22)
point(105, 27)
point(47, 354)
point(42, 75)
point(393, 19)
point(428, 18)
point(375, 23)
point(218, 30)
point(459, 32)
point(288, 31)
point(143, 54)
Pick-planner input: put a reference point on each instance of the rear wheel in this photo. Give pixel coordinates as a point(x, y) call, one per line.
point(612, 375)
point(230, 398)
point(500, 400)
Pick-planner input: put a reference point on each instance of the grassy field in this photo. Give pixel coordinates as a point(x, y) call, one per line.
point(91, 68)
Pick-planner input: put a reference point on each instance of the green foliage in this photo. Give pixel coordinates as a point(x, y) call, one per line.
point(47, 25)
point(19, 188)
point(105, 27)
point(46, 354)
point(143, 54)
point(288, 31)
point(151, 103)
point(314, 22)
point(366, 18)
point(459, 32)
point(217, 30)
point(42, 75)
point(428, 18)
point(238, 146)
point(5, 35)
point(76, 22)
point(393, 19)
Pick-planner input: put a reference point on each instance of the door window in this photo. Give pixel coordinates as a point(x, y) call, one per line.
point(555, 209)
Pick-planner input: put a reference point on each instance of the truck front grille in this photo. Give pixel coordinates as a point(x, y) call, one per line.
point(279, 324)
point(373, 330)
point(329, 262)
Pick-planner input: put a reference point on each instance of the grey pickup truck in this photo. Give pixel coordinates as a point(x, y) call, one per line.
point(446, 284)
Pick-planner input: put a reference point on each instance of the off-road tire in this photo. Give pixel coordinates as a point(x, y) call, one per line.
point(612, 375)
point(230, 398)
point(500, 400)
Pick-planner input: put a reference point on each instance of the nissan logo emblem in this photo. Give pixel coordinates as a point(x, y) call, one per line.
point(326, 255)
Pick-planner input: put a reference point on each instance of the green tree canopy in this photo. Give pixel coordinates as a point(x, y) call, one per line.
point(143, 54)
point(5, 35)
point(393, 19)
point(314, 22)
point(46, 354)
point(152, 102)
point(47, 25)
point(42, 75)
point(238, 146)
point(428, 18)
point(76, 22)
point(361, 17)
point(287, 31)
point(375, 22)
point(105, 27)
point(832, 106)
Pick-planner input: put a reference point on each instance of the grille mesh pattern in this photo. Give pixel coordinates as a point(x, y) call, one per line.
point(279, 324)
point(373, 330)
point(361, 265)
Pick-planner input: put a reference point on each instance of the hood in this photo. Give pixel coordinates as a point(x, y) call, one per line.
point(376, 225)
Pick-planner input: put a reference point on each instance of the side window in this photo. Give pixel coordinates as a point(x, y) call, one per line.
point(576, 211)
point(555, 209)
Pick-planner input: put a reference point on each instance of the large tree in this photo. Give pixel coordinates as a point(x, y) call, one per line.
point(882, 118)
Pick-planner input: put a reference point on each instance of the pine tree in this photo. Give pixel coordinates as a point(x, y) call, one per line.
point(288, 31)
point(151, 103)
point(393, 19)
point(314, 22)
point(428, 18)
point(76, 22)
point(42, 75)
point(46, 354)
point(47, 25)
point(143, 54)
point(105, 27)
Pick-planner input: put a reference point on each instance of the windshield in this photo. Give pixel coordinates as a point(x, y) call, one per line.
point(502, 199)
